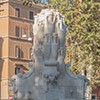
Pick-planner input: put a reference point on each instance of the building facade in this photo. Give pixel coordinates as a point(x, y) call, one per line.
point(16, 20)
point(96, 93)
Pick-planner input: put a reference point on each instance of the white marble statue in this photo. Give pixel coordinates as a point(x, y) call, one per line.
point(49, 78)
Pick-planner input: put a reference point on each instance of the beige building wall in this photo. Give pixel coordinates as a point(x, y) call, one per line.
point(1, 62)
point(9, 59)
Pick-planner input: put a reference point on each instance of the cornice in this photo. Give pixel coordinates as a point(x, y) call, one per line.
point(17, 38)
point(18, 18)
point(17, 59)
point(21, 19)
point(20, 39)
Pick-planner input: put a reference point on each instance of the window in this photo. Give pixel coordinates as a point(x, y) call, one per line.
point(24, 31)
point(31, 32)
point(17, 30)
point(17, 12)
point(17, 70)
point(18, 52)
point(31, 15)
point(94, 97)
point(20, 68)
point(30, 52)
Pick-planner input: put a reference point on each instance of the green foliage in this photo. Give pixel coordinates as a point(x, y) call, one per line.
point(83, 37)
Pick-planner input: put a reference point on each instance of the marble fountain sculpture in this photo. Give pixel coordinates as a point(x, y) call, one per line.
point(49, 77)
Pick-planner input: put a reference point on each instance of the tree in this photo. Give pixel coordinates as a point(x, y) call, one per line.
point(83, 37)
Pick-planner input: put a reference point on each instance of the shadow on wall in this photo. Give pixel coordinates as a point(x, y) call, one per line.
point(1, 63)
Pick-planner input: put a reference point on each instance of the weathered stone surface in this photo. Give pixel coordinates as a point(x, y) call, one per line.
point(49, 77)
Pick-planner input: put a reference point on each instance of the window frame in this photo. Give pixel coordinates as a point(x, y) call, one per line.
point(30, 52)
point(21, 68)
point(16, 26)
point(19, 15)
point(18, 52)
point(17, 70)
point(30, 16)
point(93, 95)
